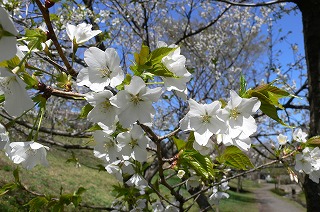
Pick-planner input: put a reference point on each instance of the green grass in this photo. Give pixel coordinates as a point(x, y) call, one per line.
point(49, 180)
point(246, 200)
point(245, 197)
point(278, 191)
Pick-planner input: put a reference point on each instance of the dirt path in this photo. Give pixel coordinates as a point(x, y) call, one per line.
point(268, 202)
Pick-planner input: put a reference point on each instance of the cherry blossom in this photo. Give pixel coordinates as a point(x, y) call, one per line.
point(81, 33)
point(8, 40)
point(299, 135)
point(28, 154)
point(106, 147)
point(240, 123)
point(309, 162)
point(135, 102)
point(103, 111)
point(15, 93)
point(133, 144)
point(137, 180)
point(282, 139)
point(203, 119)
point(103, 69)
point(175, 63)
point(4, 138)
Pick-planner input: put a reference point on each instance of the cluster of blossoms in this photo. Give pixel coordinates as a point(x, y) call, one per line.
point(308, 161)
point(232, 124)
point(29, 153)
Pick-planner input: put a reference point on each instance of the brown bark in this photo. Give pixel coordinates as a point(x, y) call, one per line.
point(310, 10)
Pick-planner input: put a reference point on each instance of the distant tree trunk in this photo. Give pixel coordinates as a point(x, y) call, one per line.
point(310, 10)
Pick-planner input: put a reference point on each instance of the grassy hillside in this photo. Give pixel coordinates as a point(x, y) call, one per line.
point(49, 180)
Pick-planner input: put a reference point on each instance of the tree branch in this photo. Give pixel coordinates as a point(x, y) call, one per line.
point(203, 28)
point(53, 37)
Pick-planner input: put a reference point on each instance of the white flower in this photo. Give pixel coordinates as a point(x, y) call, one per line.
point(244, 144)
point(314, 176)
point(106, 147)
point(17, 100)
point(103, 111)
point(135, 102)
point(8, 41)
point(282, 139)
point(103, 69)
point(171, 208)
point(240, 123)
point(133, 144)
point(203, 120)
point(299, 135)
point(81, 33)
point(218, 193)
point(181, 173)
point(303, 161)
point(203, 150)
point(28, 154)
point(157, 207)
point(4, 138)
point(193, 182)
point(137, 180)
point(175, 63)
point(114, 168)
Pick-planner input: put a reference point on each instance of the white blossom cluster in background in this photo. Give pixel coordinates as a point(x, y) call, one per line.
point(308, 161)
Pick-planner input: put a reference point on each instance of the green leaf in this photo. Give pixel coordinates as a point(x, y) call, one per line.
point(161, 70)
point(41, 100)
point(76, 200)
point(36, 34)
point(235, 158)
point(29, 80)
point(190, 141)
point(8, 187)
point(12, 63)
point(64, 81)
point(268, 108)
point(159, 53)
point(94, 128)
point(143, 56)
point(313, 141)
point(180, 144)
point(2, 98)
point(202, 165)
point(269, 96)
point(16, 175)
point(80, 191)
point(37, 204)
point(243, 86)
point(85, 110)
point(126, 81)
point(58, 207)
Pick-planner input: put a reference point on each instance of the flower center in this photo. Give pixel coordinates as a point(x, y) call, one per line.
point(107, 104)
point(31, 152)
point(135, 99)
point(105, 72)
point(108, 144)
point(205, 118)
point(234, 113)
point(133, 142)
